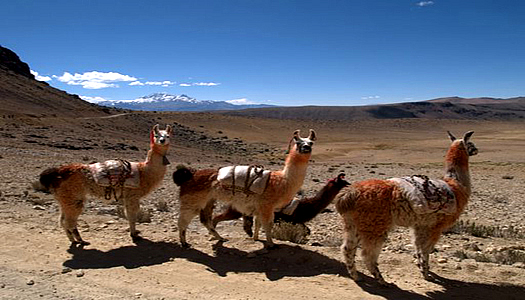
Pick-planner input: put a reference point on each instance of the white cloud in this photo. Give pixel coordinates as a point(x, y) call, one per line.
point(200, 84)
point(136, 83)
point(370, 97)
point(240, 101)
point(206, 83)
point(94, 79)
point(425, 3)
point(92, 99)
point(164, 83)
point(39, 77)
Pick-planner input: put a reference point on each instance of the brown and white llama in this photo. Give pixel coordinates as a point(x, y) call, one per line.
point(299, 211)
point(127, 182)
point(200, 189)
point(372, 207)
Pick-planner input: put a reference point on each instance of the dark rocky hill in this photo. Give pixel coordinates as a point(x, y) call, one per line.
point(454, 108)
point(20, 93)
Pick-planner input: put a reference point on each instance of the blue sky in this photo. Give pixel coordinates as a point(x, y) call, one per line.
point(276, 52)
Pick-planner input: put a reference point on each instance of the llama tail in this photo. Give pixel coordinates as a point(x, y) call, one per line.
point(345, 201)
point(52, 177)
point(182, 175)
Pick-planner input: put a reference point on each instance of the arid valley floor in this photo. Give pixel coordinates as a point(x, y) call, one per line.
point(482, 259)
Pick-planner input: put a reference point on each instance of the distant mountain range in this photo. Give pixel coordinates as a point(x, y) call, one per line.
point(167, 102)
point(21, 94)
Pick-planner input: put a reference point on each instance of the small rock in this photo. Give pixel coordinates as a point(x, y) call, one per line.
point(472, 247)
point(138, 295)
point(507, 177)
point(66, 270)
point(39, 207)
point(80, 273)
point(30, 282)
point(519, 265)
point(2, 285)
point(442, 260)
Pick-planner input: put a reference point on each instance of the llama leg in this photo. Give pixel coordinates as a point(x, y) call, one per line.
point(69, 213)
point(425, 239)
point(206, 220)
point(349, 247)
point(132, 207)
point(267, 223)
point(247, 224)
point(370, 252)
point(257, 228)
point(229, 214)
point(185, 217)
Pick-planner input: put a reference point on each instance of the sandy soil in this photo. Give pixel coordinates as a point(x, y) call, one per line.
point(37, 261)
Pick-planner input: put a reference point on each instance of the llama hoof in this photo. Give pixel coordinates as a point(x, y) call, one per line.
point(80, 243)
point(270, 246)
point(356, 277)
point(136, 238)
point(219, 239)
point(382, 282)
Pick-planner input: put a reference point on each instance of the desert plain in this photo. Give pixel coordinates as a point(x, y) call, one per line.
point(483, 257)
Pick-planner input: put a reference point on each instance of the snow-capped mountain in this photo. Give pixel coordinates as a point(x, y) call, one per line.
point(167, 102)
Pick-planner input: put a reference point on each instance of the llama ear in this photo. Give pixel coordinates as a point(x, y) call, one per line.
point(169, 129)
point(312, 136)
point(467, 136)
point(296, 134)
point(451, 136)
point(155, 129)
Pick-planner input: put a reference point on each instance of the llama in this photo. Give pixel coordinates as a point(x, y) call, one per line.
point(299, 211)
point(275, 189)
point(372, 207)
point(126, 182)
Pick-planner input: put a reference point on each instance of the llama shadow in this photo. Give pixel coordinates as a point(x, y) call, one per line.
point(143, 253)
point(453, 289)
point(456, 289)
point(284, 261)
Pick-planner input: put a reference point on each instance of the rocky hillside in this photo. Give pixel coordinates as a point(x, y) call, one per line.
point(20, 93)
point(444, 108)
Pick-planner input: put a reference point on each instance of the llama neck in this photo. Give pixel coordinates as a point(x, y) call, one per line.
point(457, 166)
point(295, 169)
point(156, 156)
point(323, 197)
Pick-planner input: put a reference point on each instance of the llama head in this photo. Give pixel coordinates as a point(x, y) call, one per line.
point(160, 137)
point(340, 180)
point(469, 146)
point(303, 145)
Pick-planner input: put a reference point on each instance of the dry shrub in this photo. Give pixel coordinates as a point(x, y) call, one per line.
point(295, 233)
point(162, 206)
point(38, 187)
point(508, 256)
point(485, 231)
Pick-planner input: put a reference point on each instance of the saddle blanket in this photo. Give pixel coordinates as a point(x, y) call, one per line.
point(427, 195)
point(116, 172)
point(249, 179)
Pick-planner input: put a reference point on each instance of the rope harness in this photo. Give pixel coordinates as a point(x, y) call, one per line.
point(117, 180)
point(245, 179)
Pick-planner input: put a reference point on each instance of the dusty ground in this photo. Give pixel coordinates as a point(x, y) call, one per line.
point(37, 262)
